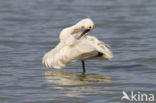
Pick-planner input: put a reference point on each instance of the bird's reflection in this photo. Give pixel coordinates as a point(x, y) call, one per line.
point(76, 83)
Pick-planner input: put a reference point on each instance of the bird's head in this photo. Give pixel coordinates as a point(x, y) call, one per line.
point(86, 24)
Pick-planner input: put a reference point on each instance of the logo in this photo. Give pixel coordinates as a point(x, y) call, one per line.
point(137, 97)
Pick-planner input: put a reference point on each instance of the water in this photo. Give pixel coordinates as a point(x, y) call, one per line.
point(30, 28)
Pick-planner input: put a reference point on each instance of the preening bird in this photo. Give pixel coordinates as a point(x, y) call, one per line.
point(76, 45)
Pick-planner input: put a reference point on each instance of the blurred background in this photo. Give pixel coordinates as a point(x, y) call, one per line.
point(30, 28)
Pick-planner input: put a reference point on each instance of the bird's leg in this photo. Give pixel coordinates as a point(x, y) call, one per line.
point(83, 66)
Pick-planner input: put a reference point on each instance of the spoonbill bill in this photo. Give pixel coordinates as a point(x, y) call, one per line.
point(76, 45)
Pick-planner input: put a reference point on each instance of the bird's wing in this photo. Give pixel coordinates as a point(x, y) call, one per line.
point(84, 50)
point(100, 47)
point(89, 55)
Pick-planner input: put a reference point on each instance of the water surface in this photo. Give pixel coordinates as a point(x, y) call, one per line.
point(30, 28)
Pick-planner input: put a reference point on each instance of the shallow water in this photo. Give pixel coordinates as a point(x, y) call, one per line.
point(29, 28)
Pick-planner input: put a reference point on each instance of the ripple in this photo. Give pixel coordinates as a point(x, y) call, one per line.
point(77, 83)
point(4, 98)
point(8, 41)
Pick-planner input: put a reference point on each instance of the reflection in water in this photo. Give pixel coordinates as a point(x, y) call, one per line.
point(76, 84)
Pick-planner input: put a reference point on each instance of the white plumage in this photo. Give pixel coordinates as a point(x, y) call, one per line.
point(75, 45)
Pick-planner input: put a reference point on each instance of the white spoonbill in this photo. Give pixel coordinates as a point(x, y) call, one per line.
point(76, 45)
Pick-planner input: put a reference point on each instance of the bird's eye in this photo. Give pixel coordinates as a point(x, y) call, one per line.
point(90, 27)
